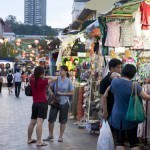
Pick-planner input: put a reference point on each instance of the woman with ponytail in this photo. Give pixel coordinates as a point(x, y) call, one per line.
point(39, 106)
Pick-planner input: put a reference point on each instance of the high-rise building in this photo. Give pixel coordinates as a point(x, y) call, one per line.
point(35, 12)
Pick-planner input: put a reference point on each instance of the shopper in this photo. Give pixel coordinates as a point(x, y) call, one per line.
point(23, 76)
point(39, 106)
point(65, 89)
point(122, 89)
point(17, 80)
point(1, 83)
point(10, 81)
point(115, 65)
point(28, 77)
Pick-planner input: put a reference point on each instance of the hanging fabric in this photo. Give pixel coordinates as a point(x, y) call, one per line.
point(145, 15)
point(103, 30)
point(137, 32)
point(113, 34)
point(126, 39)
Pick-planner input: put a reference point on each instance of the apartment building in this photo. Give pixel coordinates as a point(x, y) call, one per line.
point(35, 12)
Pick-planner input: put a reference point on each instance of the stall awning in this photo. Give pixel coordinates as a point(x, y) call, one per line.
point(101, 7)
point(104, 8)
point(84, 15)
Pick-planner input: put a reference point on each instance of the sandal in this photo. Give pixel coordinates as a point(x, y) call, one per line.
point(42, 144)
point(49, 138)
point(60, 140)
point(32, 141)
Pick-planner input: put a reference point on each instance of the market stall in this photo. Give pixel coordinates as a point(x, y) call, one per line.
point(126, 36)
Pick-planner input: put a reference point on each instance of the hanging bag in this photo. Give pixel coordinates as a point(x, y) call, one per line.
point(53, 99)
point(105, 140)
point(135, 112)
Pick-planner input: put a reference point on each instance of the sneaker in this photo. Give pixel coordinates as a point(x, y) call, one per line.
point(49, 139)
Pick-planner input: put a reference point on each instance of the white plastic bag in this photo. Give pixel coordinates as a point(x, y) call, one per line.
point(105, 140)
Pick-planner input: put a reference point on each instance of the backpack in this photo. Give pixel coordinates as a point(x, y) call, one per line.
point(9, 78)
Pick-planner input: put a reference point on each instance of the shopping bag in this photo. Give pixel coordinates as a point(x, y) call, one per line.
point(135, 112)
point(28, 90)
point(105, 140)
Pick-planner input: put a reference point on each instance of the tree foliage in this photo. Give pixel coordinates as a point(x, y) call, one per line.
point(24, 29)
point(7, 50)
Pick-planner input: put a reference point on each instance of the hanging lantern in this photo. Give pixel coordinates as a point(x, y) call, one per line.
point(18, 40)
point(29, 46)
point(36, 42)
point(18, 44)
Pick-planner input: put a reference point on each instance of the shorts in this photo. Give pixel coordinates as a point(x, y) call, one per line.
point(39, 110)
point(63, 114)
point(9, 84)
point(131, 137)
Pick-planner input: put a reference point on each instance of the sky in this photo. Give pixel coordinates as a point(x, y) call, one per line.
point(58, 11)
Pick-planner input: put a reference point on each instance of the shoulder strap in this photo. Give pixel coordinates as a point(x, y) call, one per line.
point(56, 85)
point(133, 87)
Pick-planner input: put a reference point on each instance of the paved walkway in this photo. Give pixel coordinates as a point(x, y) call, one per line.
point(14, 118)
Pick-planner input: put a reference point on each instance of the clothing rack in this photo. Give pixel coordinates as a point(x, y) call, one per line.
point(145, 139)
point(119, 17)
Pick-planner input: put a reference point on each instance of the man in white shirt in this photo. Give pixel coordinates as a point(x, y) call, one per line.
point(17, 80)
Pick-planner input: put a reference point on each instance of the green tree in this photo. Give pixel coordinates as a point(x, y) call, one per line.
point(7, 50)
point(11, 19)
point(23, 29)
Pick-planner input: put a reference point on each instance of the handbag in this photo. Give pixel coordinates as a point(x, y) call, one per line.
point(53, 100)
point(28, 90)
point(135, 112)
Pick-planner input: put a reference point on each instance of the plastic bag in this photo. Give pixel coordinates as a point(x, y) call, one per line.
point(105, 140)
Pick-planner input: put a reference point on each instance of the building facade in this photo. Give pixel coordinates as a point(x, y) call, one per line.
point(35, 12)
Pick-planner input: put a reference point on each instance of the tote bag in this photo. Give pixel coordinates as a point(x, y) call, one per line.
point(135, 112)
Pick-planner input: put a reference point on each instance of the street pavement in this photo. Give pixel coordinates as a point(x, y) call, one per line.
point(14, 119)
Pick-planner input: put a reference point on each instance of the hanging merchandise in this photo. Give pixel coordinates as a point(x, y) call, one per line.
point(113, 34)
point(146, 39)
point(137, 24)
point(137, 31)
point(96, 45)
point(126, 34)
point(88, 44)
point(77, 47)
point(145, 14)
point(93, 29)
point(113, 54)
point(103, 30)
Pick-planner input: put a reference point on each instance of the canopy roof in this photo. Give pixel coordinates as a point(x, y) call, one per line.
point(84, 15)
point(116, 6)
